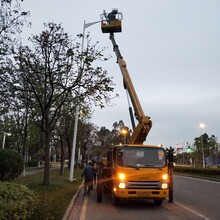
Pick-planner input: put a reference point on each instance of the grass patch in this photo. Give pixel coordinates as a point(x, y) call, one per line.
point(54, 198)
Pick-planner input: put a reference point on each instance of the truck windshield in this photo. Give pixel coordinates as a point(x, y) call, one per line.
point(138, 157)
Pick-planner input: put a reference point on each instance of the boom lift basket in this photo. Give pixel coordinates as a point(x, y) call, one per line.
point(111, 22)
point(114, 26)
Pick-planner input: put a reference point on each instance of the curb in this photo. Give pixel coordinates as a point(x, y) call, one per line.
point(70, 207)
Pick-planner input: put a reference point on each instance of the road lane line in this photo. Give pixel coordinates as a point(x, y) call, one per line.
point(194, 212)
point(84, 209)
point(204, 180)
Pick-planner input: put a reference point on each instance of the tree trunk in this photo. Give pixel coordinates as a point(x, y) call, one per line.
point(69, 151)
point(46, 180)
point(62, 157)
point(25, 140)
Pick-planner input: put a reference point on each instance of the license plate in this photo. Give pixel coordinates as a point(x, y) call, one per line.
point(143, 194)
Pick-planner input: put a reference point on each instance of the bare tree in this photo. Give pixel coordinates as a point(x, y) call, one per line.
point(12, 19)
point(53, 74)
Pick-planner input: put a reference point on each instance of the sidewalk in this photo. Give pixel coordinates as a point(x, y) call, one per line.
point(31, 171)
point(69, 210)
point(34, 170)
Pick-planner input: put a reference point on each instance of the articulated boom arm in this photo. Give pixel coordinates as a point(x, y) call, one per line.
point(142, 129)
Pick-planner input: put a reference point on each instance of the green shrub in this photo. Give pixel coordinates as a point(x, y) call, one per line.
point(16, 201)
point(196, 170)
point(11, 164)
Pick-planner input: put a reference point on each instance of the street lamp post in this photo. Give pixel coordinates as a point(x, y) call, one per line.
point(85, 25)
point(5, 134)
point(202, 125)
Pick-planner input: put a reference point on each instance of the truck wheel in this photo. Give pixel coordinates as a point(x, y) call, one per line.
point(158, 202)
point(99, 193)
point(115, 200)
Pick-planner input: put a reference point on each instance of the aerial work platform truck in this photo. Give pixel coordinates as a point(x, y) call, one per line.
point(133, 170)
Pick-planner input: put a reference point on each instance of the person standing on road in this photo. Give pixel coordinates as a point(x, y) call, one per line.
point(88, 181)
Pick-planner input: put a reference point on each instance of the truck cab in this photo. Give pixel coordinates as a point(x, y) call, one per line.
point(137, 172)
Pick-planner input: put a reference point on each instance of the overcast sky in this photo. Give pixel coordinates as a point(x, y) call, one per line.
point(172, 51)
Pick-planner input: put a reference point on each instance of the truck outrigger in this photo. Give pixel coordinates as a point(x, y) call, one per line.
point(133, 170)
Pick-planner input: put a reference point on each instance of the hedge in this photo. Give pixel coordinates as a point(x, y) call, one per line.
point(207, 171)
point(11, 164)
point(17, 202)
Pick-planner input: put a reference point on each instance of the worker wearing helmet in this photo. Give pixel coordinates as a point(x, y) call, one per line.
point(112, 15)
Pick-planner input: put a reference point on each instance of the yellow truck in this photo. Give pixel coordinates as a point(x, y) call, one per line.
point(133, 170)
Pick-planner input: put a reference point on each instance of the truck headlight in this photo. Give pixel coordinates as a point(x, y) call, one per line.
point(164, 186)
point(121, 185)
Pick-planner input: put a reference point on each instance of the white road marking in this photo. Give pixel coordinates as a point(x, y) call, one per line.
point(193, 211)
point(204, 180)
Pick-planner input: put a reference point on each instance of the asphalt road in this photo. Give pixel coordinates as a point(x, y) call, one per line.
point(193, 199)
point(202, 196)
